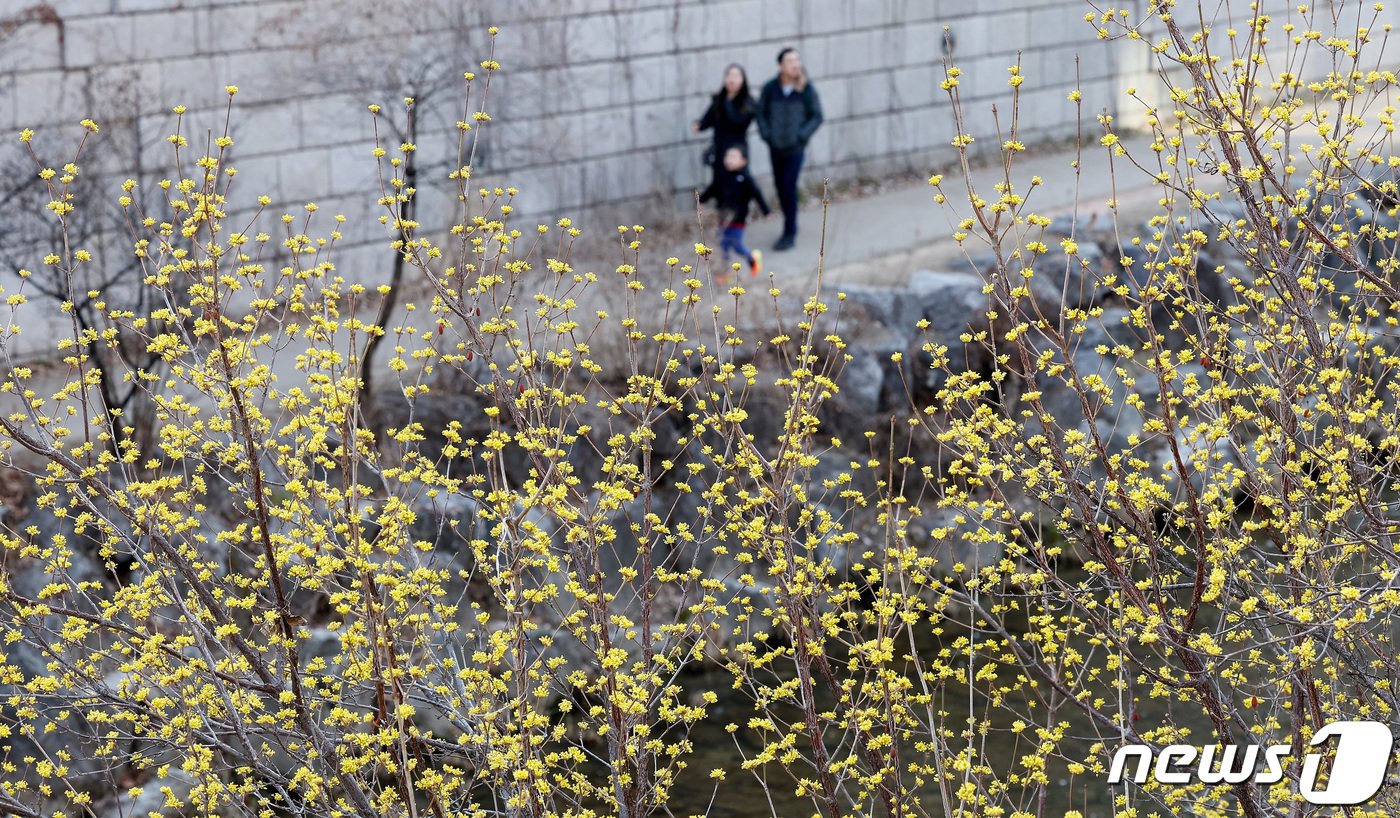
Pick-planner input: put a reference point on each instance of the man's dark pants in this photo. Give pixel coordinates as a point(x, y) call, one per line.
point(786, 168)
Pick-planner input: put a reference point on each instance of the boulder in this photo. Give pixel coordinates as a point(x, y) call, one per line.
point(875, 325)
point(154, 795)
point(1102, 412)
point(954, 305)
point(956, 538)
point(1059, 279)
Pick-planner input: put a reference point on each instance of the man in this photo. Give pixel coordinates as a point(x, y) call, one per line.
point(789, 112)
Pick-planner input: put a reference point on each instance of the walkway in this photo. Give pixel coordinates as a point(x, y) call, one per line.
point(879, 239)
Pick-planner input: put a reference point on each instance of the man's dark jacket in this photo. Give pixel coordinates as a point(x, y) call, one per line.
point(786, 123)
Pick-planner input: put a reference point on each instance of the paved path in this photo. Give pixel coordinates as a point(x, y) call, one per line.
point(880, 238)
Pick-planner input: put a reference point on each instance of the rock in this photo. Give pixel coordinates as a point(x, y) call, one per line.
point(1103, 411)
point(1202, 458)
point(155, 794)
point(954, 305)
point(1172, 331)
point(434, 412)
point(875, 324)
point(954, 538)
point(448, 522)
point(1060, 280)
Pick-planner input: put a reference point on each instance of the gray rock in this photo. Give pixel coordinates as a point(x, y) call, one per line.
point(954, 306)
point(1202, 459)
point(154, 795)
point(954, 538)
point(1102, 412)
point(1058, 280)
point(873, 324)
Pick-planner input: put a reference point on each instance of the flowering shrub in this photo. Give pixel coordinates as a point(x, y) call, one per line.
point(1142, 496)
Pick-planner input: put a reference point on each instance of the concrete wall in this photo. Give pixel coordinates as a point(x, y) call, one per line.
point(593, 106)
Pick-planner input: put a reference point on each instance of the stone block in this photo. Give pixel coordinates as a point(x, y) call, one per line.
point(760, 60)
point(855, 52)
point(818, 56)
point(124, 91)
point(1007, 33)
point(146, 5)
point(49, 97)
point(76, 9)
point(556, 139)
point(265, 129)
point(824, 17)
point(353, 170)
point(852, 139)
point(653, 78)
point(9, 104)
point(914, 87)
point(871, 13)
point(649, 31)
point(695, 26)
point(972, 37)
point(615, 178)
point(162, 36)
point(656, 124)
point(682, 167)
point(227, 28)
point(592, 37)
point(913, 11)
point(551, 191)
point(984, 79)
point(995, 7)
point(592, 86)
point(287, 23)
point(702, 72)
point(835, 94)
point(911, 130)
point(520, 95)
point(198, 83)
point(364, 262)
point(503, 144)
point(96, 40)
point(303, 176)
point(869, 93)
point(344, 118)
point(257, 176)
point(32, 47)
point(780, 20)
point(270, 75)
point(604, 132)
point(1100, 94)
point(734, 22)
point(1060, 65)
point(1057, 25)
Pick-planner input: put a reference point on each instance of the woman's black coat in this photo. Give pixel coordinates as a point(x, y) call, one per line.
point(730, 119)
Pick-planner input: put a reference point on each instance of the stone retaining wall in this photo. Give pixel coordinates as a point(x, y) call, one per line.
point(594, 103)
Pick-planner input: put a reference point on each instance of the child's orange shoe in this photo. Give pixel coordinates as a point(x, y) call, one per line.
point(756, 268)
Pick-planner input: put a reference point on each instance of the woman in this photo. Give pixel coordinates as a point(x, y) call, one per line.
point(730, 113)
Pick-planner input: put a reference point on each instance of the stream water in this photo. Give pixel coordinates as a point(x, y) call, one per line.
point(769, 792)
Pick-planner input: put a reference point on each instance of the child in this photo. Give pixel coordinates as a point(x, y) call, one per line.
point(734, 191)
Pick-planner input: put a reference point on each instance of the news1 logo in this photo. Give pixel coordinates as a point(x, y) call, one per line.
point(1358, 768)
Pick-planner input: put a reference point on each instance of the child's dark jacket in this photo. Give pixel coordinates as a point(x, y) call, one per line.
point(734, 193)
